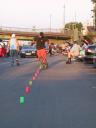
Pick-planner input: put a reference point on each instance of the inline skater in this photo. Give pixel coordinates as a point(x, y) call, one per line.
point(41, 52)
point(14, 50)
point(73, 52)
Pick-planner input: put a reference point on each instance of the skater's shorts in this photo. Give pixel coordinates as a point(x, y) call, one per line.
point(41, 53)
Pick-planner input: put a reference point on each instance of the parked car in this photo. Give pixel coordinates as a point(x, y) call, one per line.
point(28, 51)
point(90, 53)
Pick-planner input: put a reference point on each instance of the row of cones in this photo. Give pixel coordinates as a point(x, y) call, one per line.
point(28, 87)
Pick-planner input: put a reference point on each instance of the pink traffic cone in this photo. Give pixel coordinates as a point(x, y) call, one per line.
point(36, 74)
point(27, 89)
point(33, 78)
point(38, 71)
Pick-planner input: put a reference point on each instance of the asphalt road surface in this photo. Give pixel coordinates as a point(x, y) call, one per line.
point(63, 96)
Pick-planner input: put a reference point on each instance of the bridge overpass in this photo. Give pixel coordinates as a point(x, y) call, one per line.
point(29, 33)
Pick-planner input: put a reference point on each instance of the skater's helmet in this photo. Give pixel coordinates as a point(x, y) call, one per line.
point(13, 35)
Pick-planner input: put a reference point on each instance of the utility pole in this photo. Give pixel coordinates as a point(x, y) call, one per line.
point(64, 15)
point(75, 17)
point(50, 21)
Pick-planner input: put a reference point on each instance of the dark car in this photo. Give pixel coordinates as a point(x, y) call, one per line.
point(90, 53)
point(28, 51)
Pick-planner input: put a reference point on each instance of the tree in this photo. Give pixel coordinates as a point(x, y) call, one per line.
point(94, 1)
point(73, 25)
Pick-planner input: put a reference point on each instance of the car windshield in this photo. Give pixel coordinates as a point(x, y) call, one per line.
point(92, 47)
point(28, 47)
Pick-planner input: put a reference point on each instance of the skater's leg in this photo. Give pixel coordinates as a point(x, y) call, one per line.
point(70, 54)
point(39, 58)
point(17, 58)
point(42, 58)
point(12, 57)
point(45, 63)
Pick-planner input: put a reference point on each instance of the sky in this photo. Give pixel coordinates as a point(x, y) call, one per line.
point(43, 13)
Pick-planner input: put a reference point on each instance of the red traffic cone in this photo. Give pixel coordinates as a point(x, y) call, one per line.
point(27, 89)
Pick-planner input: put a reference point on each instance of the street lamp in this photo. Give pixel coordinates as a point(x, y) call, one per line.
point(64, 16)
point(50, 22)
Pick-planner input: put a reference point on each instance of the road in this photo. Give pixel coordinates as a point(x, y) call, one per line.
point(63, 96)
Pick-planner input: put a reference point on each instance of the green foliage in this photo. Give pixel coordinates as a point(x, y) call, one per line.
point(88, 38)
point(18, 37)
point(94, 1)
point(73, 25)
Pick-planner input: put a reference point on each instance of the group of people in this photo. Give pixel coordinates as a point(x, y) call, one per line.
point(75, 50)
point(72, 51)
point(14, 48)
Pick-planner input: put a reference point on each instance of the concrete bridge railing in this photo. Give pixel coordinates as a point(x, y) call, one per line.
point(46, 30)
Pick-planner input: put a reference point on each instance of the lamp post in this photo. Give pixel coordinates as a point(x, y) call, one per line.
point(64, 16)
point(50, 21)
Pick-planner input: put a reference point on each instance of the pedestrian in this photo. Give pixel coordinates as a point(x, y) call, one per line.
point(1, 48)
point(73, 52)
point(14, 49)
point(4, 50)
point(50, 49)
point(41, 52)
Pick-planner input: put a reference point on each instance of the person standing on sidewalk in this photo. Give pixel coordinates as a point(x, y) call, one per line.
point(14, 50)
